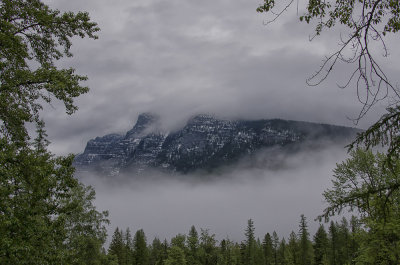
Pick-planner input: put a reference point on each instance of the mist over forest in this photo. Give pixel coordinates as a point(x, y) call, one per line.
point(165, 205)
point(283, 78)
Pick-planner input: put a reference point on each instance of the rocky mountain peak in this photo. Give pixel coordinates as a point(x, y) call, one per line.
point(144, 123)
point(204, 143)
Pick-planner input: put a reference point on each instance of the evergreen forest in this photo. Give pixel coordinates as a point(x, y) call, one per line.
point(338, 244)
point(47, 216)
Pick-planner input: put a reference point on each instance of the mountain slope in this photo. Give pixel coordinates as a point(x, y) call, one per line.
point(204, 143)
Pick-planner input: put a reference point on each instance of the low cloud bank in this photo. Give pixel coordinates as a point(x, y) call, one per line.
point(164, 205)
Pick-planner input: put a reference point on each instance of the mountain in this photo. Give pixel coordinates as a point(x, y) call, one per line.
point(204, 143)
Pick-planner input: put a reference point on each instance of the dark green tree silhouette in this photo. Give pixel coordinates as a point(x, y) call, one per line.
point(140, 250)
point(305, 246)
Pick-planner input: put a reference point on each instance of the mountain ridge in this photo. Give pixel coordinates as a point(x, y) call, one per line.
point(203, 143)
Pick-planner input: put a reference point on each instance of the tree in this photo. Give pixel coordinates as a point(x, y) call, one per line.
point(282, 258)
point(32, 38)
point(333, 236)
point(250, 243)
point(208, 251)
point(117, 246)
point(259, 253)
point(305, 246)
point(268, 249)
point(293, 249)
point(179, 241)
point(156, 251)
point(363, 183)
point(344, 242)
point(275, 246)
point(128, 246)
point(192, 246)
point(321, 244)
point(84, 226)
point(354, 244)
point(46, 215)
point(176, 256)
point(140, 250)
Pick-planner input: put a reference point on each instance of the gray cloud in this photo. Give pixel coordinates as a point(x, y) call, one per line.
point(178, 58)
point(182, 57)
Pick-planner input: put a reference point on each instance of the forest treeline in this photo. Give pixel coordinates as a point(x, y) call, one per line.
point(48, 217)
point(334, 245)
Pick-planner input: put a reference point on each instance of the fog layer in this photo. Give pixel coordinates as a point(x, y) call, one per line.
point(164, 206)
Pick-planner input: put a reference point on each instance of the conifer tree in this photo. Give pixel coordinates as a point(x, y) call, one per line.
point(179, 241)
point(140, 250)
point(275, 246)
point(250, 243)
point(117, 246)
point(208, 254)
point(192, 246)
point(321, 245)
point(225, 257)
point(259, 253)
point(305, 244)
point(354, 244)
point(293, 249)
point(176, 256)
point(155, 250)
point(282, 258)
point(343, 242)
point(128, 246)
point(333, 237)
point(268, 250)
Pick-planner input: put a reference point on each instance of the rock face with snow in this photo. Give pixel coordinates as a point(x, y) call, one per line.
point(204, 143)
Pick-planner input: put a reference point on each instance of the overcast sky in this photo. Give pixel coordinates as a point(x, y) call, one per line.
point(182, 57)
point(177, 58)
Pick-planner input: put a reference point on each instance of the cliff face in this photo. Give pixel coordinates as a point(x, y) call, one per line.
point(205, 142)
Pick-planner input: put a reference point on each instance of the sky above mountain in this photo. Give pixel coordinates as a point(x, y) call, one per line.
point(180, 57)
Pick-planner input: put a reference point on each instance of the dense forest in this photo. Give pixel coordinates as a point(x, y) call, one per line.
point(338, 244)
point(48, 217)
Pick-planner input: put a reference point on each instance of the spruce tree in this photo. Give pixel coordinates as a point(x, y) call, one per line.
point(354, 241)
point(343, 242)
point(321, 245)
point(192, 246)
point(282, 258)
point(140, 250)
point(128, 247)
point(250, 243)
point(293, 249)
point(333, 237)
point(208, 254)
point(275, 246)
point(268, 250)
point(179, 241)
point(176, 256)
point(305, 244)
point(259, 253)
point(155, 250)
point(117, 246)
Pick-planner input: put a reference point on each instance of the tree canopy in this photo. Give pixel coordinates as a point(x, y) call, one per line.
point(364, 183)
point(32, 38)
point(46, 215)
